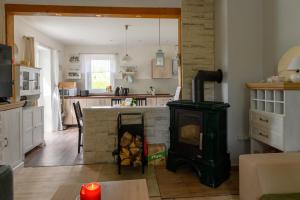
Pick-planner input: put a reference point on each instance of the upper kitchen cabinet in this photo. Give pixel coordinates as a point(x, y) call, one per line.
point(162, 71)
point(29, 81)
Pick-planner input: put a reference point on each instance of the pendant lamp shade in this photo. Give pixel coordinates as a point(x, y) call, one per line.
point(160, 56)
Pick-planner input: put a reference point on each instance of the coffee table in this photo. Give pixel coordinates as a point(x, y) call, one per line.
point(111, 190)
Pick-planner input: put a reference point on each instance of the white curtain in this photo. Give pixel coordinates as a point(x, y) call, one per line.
point(86, 60)
point(29, 51)
point(56, 107)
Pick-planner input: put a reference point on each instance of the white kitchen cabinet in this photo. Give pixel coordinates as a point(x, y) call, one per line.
point(162, 101)
point(70, 118)
point(29, 81)
point(33, 127)
point(11, 152)
point(274, 110)
point(151, 101)
point(98, 102)
point(69, 114)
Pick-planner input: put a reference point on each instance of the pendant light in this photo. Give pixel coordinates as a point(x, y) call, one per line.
point(160, 56)
point(126, 58)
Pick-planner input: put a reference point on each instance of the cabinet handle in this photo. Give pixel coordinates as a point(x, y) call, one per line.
point(264, 120)
point(264, 135)
point(6, 140)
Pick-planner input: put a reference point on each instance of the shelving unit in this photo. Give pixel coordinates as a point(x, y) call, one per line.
point(274, 110)
point(29, 81)
point(271, 101)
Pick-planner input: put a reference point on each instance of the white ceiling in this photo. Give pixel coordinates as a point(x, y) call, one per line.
point(104, 31)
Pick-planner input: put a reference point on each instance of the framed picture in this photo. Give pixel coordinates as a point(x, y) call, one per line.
point(74, 59)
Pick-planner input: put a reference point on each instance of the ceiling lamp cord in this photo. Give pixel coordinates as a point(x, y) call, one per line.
point(126, 58)
point(159, 33)
point(160, 57)
point(126, 29)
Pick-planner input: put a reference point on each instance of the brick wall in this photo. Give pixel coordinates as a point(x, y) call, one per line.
point(197, 43)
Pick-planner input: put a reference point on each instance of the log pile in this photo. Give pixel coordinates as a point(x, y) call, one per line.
point(131, 150)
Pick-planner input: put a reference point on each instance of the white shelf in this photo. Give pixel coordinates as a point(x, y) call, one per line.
point(271, 101)
point(273, 120)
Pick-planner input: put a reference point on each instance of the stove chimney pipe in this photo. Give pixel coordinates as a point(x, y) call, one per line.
point(198, 83)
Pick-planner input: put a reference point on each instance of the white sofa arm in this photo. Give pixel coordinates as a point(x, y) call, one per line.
point(268, 174)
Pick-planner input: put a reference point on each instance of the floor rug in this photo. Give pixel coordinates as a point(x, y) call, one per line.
point(185, 183)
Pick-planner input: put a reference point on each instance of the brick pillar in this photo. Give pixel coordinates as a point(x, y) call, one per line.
point(197, 43)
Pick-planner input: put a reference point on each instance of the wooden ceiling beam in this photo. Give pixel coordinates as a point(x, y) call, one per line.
point(125, 12)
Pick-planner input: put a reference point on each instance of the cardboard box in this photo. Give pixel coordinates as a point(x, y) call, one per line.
point(156, 154)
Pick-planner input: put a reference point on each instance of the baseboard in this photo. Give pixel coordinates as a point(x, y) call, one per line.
point(18, 167)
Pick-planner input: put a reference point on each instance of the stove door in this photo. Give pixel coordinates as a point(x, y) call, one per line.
point(189, 132)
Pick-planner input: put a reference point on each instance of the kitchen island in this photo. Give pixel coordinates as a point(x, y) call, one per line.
point(105, 100)
point(100, 129)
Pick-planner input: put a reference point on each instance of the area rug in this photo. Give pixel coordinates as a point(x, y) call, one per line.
point(184, 183)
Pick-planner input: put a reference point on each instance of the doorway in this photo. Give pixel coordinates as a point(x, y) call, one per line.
point(43, 57)
point(60, 150)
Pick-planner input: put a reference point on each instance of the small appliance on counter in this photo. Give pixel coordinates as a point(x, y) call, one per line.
point(84, 93)
point(68, 89)
point(117, 91)
point(120, 91)
point(125, 91)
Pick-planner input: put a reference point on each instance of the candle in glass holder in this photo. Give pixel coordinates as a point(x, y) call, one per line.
point(90, 191)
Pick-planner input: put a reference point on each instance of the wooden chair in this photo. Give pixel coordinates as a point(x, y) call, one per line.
point(141, 101)
point(116, 101)
point(78, 114)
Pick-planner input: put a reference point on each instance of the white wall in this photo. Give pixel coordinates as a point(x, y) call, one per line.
point(239, 53)
point(281, 31)
point(22, 28)
point(141, 57)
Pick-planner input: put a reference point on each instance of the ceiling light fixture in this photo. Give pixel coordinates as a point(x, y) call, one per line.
point(160, 56)
point(126, 58)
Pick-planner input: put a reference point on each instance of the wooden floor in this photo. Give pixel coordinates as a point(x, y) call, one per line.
point(59, 158)
point(60, 150)
point(40, 183)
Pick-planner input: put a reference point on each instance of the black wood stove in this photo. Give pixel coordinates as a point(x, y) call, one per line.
point(198, 137)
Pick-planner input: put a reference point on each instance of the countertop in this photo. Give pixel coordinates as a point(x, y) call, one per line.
point(274, 86)
point(123, 107)
point(10, 106)
point(113, 96)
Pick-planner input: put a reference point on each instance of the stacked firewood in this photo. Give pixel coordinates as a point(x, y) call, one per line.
point(131, 149)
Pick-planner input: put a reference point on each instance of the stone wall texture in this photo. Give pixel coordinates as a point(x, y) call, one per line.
point(100, 130)
point(198, 38)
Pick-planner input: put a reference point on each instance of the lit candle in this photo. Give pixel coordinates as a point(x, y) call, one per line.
point(90, 191)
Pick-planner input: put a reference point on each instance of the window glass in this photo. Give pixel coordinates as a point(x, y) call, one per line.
point(100, 74)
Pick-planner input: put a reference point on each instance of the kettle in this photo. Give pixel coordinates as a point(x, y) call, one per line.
point(125, 91)
point(117, 91)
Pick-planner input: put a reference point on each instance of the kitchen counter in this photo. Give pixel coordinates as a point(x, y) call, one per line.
point(106, 100)
point(10, 106)
point(100, 129)
point(113, 96)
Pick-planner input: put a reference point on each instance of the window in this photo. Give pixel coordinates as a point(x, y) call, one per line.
point(98, 70)
point(100, 74)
